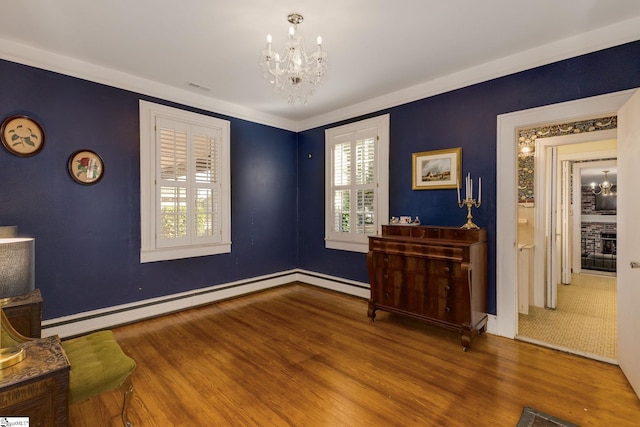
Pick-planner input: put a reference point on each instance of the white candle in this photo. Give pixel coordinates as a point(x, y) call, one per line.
point(466, 191)
point(458, 188)
point(471, 186)
point(479, 190)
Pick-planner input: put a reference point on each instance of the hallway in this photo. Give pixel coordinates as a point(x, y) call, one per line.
point(584, 323)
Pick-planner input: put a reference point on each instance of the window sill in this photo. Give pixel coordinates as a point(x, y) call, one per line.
point(166, 254)
point(347, 246)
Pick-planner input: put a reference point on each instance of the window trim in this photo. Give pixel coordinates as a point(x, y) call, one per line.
point(352, 241)
point(149, 250)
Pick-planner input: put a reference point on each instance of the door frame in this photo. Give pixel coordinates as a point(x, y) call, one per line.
point(565, 219)
point(589, 161)
point(541, 210)
point(506, 319)
point(548, 207)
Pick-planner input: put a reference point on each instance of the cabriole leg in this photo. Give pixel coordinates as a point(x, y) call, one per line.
point(127, 388)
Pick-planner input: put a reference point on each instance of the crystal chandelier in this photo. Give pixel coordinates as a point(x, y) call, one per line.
point(605, 187)
point(294, 74)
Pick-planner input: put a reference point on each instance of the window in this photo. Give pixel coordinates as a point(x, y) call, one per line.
point(356, 183)
point(184, 184)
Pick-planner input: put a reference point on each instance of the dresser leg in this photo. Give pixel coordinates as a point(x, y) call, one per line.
point(466, 339)
point(371, 312)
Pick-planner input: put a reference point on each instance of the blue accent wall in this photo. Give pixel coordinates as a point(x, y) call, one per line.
point(88, 237)
point(464, 118)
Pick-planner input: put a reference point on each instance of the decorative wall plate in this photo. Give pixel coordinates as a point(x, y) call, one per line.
point(86, 167)
point(22, 136)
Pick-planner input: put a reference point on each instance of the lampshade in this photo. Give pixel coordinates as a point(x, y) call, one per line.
point(8, 231)
point(17, 268)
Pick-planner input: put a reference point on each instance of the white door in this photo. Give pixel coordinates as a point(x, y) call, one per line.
point(565, 206)
point(551, 285)
point(629, 240)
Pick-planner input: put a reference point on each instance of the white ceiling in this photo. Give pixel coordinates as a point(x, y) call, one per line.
point(381, 52)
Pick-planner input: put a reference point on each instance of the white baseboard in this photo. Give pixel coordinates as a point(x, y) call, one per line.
point(89, 321)
point(110, 317)
point(345, 286)
point(492, 324)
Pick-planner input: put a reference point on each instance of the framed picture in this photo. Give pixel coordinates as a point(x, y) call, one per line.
point(436, 169)
point(22, 136)
point(86, 167)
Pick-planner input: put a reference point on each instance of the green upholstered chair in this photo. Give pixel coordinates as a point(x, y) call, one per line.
point(97, 362)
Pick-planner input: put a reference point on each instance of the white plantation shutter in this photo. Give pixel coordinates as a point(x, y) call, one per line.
point(356, 183)
point(187, 197)
point(188, 190)
point(341, 187)
point(366, 184)
point(172, 187)
point(207, 186)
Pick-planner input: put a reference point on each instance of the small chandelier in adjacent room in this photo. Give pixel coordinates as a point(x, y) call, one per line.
point(294, 74)
point(605, 187)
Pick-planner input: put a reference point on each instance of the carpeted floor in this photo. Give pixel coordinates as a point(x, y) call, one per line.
point(533, 418)
point(585, 320)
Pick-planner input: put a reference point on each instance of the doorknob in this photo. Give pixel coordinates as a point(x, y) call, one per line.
point(634, 264)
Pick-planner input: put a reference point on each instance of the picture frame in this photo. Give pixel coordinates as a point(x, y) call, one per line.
point(86, 167)
point(437, 169)
point(22, 136)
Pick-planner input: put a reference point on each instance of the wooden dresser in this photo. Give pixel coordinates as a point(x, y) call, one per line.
point(38, 387)
point(436, 274)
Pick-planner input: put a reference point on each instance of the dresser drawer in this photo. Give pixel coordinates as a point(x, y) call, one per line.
point(427, 273)
point(415, 248)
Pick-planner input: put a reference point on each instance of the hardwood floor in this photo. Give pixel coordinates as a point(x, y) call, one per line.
point(302, 356)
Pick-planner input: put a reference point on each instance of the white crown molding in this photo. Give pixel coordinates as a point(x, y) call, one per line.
point(26, 55)
point(602, 38)
point(613, 35)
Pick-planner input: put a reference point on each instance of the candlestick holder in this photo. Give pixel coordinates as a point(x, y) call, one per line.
point(469, 203)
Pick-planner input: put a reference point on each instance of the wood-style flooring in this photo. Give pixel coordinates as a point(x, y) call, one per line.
point(302, 356)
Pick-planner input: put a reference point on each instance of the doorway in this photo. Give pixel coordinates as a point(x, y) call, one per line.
point(571, 301)
point(505, 322)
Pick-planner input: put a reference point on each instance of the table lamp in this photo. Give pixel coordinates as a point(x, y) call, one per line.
point(17, 277)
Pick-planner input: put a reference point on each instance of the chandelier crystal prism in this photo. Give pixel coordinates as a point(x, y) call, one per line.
point(292, 73)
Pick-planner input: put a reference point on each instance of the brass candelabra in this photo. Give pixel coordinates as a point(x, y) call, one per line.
point(469, 201)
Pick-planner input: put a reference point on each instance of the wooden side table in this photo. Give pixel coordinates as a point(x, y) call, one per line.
point(25, 313)
point(37, 387)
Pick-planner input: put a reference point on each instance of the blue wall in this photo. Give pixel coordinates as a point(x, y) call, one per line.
point(88, 237)
point(464, 118)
